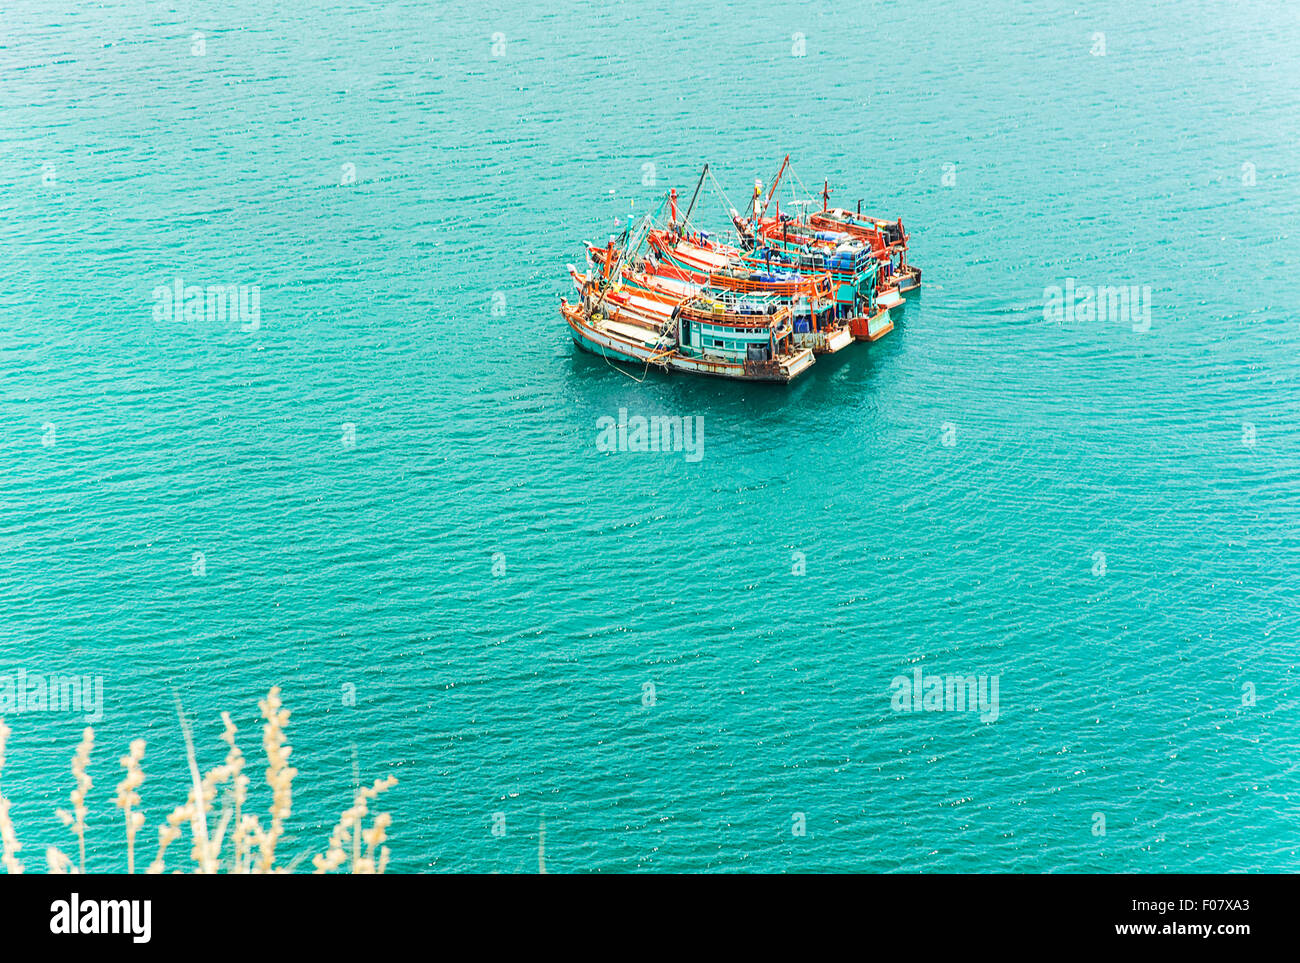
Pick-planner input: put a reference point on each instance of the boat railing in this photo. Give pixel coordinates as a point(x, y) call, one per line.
point(713, 310)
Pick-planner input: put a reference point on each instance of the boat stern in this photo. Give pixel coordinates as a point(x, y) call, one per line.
point(872, 327)
point(826, 341)
point(792, 366)
point(838, 339)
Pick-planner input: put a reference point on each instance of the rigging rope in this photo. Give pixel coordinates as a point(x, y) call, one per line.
point(725, 199)
point(801, 184)
point(641, 233)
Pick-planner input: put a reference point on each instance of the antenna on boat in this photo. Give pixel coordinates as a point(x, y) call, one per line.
point(826, 195)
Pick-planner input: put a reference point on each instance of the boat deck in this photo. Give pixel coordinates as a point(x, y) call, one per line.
point(632, 332)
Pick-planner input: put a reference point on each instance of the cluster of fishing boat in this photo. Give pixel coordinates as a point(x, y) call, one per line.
point(758, 304)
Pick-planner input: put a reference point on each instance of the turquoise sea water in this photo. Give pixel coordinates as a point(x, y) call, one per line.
point(129, 443)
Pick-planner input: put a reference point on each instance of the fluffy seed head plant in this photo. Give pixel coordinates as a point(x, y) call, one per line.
point(279, 775)
point(9, 844)
point(127, 797)
point(76, 820)
point(57, 862)
point(251, 849)
point(351, 827)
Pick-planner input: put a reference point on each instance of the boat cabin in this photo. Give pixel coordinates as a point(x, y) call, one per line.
point(734, 327)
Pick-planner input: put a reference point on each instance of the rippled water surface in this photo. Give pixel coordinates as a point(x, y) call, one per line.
point(129, 442)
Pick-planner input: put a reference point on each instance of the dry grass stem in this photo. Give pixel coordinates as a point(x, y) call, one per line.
point(279, 775)
point(76, 820)
point(127, 798)
point(359, 847)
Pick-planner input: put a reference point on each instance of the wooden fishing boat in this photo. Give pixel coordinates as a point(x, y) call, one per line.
point(836, 250)
point(853, 282)
point(833, 226)
point(698, 335)
point(619, 338)
point(848, 260)
point(891, 235)
point(645, 280)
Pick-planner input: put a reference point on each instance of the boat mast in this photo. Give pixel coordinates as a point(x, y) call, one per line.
point(772, 192)
point(704, 173)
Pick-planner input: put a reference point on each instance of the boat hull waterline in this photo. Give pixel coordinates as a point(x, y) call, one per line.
point(618, 347)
